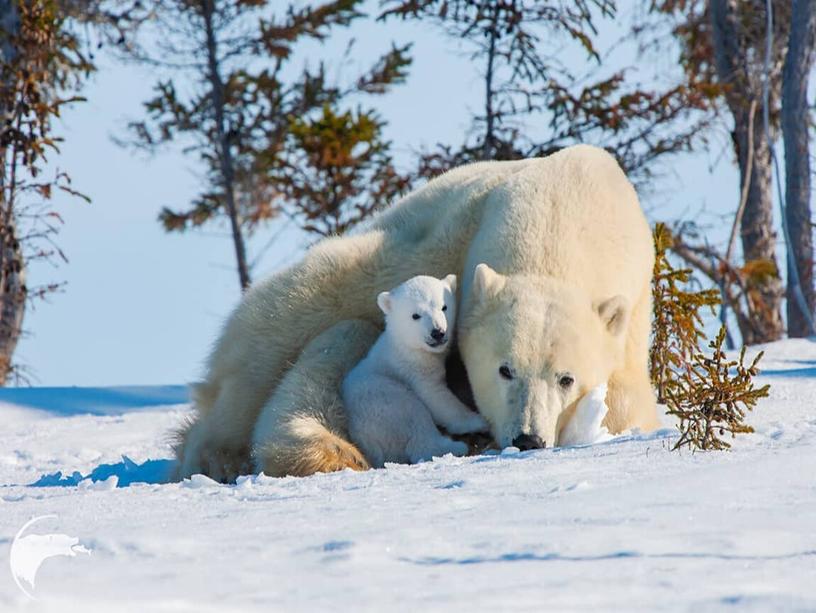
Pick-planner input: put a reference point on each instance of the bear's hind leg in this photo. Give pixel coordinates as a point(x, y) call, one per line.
point(302, 428)
point(214, 443)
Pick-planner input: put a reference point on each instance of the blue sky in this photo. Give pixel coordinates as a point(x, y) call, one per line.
point(142, 306)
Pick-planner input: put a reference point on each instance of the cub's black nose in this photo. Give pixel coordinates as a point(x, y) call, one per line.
point(529, 441)
point(437, 334)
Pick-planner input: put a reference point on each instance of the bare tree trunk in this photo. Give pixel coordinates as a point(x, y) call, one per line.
point(743, 82)
point(795, 114)
point(757, 233)
point(488, 148)
point(225, 153)
point(12, 263)
point(13, 294)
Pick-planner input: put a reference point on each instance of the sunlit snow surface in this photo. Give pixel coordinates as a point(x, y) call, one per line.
point(621, 525)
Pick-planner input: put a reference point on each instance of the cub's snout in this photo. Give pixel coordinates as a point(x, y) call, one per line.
point(438, 338)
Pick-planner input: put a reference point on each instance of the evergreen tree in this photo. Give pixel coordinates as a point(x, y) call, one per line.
point(338, 171)
point(709, 395)
point(247, 122)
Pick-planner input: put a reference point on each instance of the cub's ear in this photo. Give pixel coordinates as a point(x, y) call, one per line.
point(384, 302)
point(450, 281)
point(486, 281)
point(614, 314)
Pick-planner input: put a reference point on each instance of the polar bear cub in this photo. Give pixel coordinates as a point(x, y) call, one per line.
point(396, 395)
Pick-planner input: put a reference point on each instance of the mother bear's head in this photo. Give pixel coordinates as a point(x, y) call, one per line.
point(532, 348)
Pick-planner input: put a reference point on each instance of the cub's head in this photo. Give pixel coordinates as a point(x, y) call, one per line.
point(421, 312)
point(532, 348)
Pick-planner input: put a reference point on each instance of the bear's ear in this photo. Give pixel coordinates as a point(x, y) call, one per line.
point(486, 281)
point(614, 314)
point(450, 281)
point(384, 302)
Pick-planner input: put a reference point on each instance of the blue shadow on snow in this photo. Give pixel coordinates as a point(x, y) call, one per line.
point(95, 400)
point(127, 472)
point(792, 372)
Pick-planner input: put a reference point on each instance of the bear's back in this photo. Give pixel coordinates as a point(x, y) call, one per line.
point(573, 216)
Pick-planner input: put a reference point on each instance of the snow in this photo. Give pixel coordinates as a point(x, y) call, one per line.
point(585, 426)
point(620, 525)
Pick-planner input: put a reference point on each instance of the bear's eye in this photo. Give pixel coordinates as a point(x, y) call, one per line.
point(415, 316)
point(445, 308)
point(505, 372)
point(566, 381)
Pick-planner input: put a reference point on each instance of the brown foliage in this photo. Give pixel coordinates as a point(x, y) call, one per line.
point(41, 59)
point(723, 47)
point(519, 45)
point(741, 286)
point(288, 142)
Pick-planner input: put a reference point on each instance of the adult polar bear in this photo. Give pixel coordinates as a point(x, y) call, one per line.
point(561, 306)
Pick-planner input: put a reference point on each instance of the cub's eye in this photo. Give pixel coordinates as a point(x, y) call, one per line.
point(505, 372)
point(415, 315)
point(566, 381)
point(445, 308)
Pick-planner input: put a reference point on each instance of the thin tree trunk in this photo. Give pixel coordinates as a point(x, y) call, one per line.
point(12, 263)
point(795, 113)
point(756, 232)
point(488, 148)
point(13, 294)
point(224, 150)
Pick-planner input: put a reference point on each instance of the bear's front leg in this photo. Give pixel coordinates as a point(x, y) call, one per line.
point(631, 402)
point(435, 447)
point(448, 411)
point(302, 428)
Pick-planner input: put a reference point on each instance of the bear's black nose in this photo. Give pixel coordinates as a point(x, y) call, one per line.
point(437, 334)
point(529, 441)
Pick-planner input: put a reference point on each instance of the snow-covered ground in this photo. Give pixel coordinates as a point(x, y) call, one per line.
point(622, 525)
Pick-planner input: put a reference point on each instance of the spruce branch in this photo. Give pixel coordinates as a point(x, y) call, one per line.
point(709, 394)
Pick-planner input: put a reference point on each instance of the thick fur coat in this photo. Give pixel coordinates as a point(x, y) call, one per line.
point(561, 306)
point(397, 396)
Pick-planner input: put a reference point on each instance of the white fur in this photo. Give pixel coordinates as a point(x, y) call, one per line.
point(563, 236)
point(397, 393)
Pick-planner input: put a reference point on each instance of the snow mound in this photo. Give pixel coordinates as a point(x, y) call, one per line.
point(585, 426)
